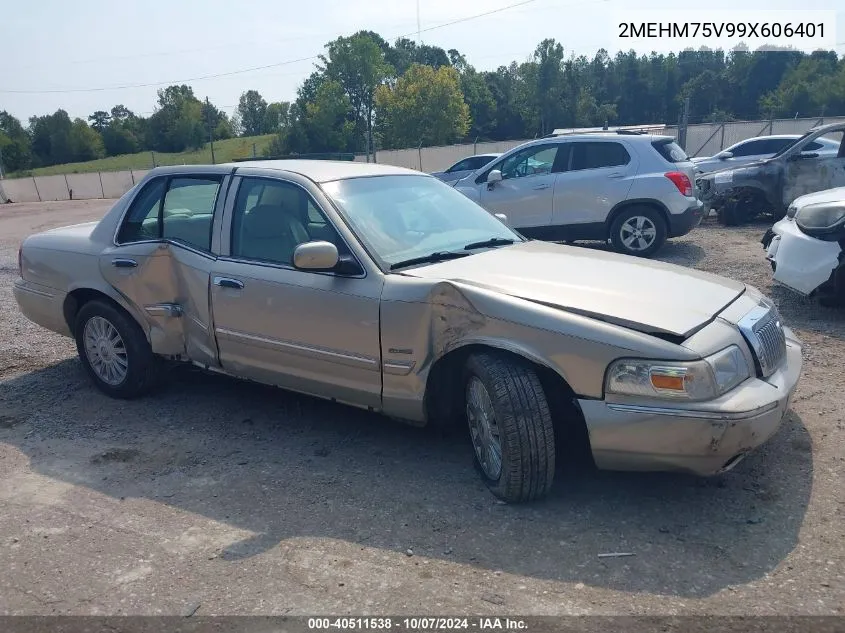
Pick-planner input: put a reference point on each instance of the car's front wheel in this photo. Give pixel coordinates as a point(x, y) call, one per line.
point(510, 426)
point(638, 231)
point(114, 351)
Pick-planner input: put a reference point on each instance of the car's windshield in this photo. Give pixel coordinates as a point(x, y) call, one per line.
point(404, 217)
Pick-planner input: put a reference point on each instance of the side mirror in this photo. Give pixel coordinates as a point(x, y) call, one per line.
point(494, 177)
point(724, 155)
point(502, 218)
point(315, 256)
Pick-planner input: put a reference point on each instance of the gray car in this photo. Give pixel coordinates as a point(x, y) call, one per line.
point(386, 289)
point(753, 149)
point(635, 190)
point(464, 167)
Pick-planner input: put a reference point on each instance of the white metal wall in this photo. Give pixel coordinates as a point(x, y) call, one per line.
point(702, 140)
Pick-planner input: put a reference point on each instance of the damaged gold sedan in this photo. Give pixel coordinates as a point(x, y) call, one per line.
point(386, 289)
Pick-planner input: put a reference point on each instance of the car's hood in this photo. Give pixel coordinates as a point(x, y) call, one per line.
point(821, 197)
point(641, 294)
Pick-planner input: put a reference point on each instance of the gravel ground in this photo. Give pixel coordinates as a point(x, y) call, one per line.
point(220, 497)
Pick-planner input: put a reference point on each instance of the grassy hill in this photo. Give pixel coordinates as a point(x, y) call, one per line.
point(224, 151)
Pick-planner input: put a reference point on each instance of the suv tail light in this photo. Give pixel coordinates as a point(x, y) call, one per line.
point(681, 181)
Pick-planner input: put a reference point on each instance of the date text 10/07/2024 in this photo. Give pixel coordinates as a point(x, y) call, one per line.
point(417, 624)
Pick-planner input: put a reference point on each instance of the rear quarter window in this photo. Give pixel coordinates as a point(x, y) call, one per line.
point(670, 151)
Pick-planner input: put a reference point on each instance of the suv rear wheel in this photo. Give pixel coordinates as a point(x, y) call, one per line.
point(638, 231)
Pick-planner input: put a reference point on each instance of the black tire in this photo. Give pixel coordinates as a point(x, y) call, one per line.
point(141, 363)
point(524, 422)
point(619, 230)
point(732, 214)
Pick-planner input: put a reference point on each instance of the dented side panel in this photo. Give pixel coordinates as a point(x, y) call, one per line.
point(423, 320)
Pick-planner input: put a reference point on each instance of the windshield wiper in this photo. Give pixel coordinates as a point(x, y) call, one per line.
point(431, 258)
point(493, 241)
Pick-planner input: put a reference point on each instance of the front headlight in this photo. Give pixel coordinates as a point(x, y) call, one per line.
point(821, 219)
point(695, 381)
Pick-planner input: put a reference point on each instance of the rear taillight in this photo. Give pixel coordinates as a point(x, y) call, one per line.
point(681, 181)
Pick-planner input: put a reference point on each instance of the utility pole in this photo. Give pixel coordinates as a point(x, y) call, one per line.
point(419, 32)
point(1, 162)
point(210, 130)
point(682, 132)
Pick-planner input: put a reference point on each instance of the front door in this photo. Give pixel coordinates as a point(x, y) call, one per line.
point(525, 192)
point(162, 262)
point(308, 331)
point(808, 171)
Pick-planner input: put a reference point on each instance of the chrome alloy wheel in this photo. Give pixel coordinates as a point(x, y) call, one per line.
point(105, 350)
point(483, 428)
point(638, 233)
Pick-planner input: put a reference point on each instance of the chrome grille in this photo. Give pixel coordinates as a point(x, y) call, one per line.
point(763, 330)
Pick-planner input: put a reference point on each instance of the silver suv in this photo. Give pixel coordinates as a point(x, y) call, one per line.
point(633, 189)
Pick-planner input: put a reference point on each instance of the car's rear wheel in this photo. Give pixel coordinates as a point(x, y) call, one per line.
point(510, 427)
point(114, 351)
point(638, 231)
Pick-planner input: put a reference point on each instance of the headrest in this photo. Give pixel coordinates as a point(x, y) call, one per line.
point(266, 220)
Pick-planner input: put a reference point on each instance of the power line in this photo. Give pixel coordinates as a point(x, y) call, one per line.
point(273, 65)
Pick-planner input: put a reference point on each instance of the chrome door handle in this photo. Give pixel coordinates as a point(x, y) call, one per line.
point(124, 263)
point(539, 187)
point(228, 282)
point(616, 174)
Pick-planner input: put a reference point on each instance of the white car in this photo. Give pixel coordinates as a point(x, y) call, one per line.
point(464, 167)
point(806, 248)
point(758, 148)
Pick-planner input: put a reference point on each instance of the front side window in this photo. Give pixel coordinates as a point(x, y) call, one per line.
point(529, 162)
point(402, 217)
point(597, 155)
point(751, 148)
point(179, 209)
point(273, 217)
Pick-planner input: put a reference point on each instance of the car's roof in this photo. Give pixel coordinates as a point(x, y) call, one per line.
point(326, 170)
point(767, 136)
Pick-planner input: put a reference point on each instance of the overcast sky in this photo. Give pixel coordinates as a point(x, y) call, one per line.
point(56, 45)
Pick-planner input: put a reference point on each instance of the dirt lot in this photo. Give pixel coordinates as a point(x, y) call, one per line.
point(220, 497)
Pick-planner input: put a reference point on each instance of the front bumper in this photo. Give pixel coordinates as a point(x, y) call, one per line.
point(683, 223)
point(702, 438)
point(800, 262)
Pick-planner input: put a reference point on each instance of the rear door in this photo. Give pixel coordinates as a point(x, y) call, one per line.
point(162, 258)
point(598, 176)
point(525, 193)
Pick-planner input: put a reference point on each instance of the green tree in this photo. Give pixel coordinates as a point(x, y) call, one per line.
point(15, 144)
point(178, 123)
point(252, 108)
point(100, 120)
point(85, 142)
point(51, 138)
point(425, 106)
point(277, 117)
point(358, 65)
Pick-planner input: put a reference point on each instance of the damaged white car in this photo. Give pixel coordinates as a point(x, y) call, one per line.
point(807, 247)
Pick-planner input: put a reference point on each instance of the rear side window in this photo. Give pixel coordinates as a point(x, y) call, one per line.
point(142, 222)
point(178, 209)
point(670, 151)
point(598, 155)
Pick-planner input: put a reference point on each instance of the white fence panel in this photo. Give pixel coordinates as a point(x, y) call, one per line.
point(20, 190)
point(52, 188)
point(84, 186)
point(116, 183)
